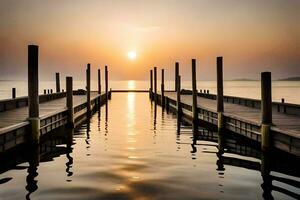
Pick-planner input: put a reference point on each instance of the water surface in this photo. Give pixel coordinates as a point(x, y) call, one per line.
point(131, 150)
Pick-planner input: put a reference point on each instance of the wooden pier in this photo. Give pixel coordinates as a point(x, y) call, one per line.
point(27, 119)
point(273, 124)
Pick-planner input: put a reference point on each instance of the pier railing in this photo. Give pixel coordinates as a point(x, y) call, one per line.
point(286, 108)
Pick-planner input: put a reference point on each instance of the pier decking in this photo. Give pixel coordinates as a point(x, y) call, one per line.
point(15, 127)
point(240, 118)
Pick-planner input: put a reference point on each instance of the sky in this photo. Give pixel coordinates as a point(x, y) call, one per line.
point(252, 36)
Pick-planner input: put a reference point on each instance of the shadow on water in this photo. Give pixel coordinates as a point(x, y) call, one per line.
point(279, 172)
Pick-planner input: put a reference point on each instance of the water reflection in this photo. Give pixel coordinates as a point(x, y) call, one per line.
point(137, 153)
point(33, 159)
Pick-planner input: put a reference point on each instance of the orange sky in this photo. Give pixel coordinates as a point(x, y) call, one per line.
point(253, 36)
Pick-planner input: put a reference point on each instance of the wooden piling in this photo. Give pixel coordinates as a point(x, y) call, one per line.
point(69, 102)
point(151, 85)
point(178, 102)
point(194, 93)
point(88, 88)
point(155, 84)
point(57, 79)
point(162, 88)
point(284, 107)
point(51, 91)
point(266, 109)
point(48, 91)
point(176, 74)
point(33, 92)
point(45, 91)
point(106, 83)
point(99, 81)
point(13, 91)
point(220, 100)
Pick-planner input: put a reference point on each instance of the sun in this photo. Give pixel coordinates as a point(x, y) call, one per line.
point(131, 55)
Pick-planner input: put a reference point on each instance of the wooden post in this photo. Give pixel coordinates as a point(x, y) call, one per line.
point(51, 91)
point(220, 101)
point(99, 81)
point(88, 88)
point(178, 102)
point(69, 88)
point(13, 91)
point(45, 91)
point(57, 82)
point(266, 109)
point(162, 88)
point(33, 91)
point(48, 91)
point(176, 74)
point(106, 83)
point(284, 107)
point(99, 90)
point(151, 84)
point(194, 93)
point(155, 84)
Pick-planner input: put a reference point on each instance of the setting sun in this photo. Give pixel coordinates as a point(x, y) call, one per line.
point(131, 55)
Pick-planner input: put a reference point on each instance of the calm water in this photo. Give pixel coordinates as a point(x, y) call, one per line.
point(251, 89)
point(132, 150)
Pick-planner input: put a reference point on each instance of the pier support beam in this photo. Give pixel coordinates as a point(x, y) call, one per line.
point(13, 93)
point(69, 88)
point(155, 84)
point(194, 93)
point(179, 111)
point(57, 79)
point(106, 84)
point(88, 89)
point(176, 74)
point(33, 92)
point(266, 109)
point(151, 85)
point(162, 88)
point(220, 101)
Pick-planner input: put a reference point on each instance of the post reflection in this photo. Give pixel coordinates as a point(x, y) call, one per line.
point(34, 160)
point(69, 163)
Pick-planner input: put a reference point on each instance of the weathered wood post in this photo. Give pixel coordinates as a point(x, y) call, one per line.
point(57, 79)
point(155, 84)
point(13, 93)
point(69, 88)
point(48, 91)
point(220, 101)
point(284, 107)
point(176, 74)
point(99, 81)
point(266, 109)
point(99, 89)
point(194, 93)
point(178, 102)
point(45, 91)
point(162, 88)
point(33, 91)
point(88, 89)
point(106, 83)
point(151, 85)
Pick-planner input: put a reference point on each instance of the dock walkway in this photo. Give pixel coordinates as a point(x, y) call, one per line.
point(15, 127)
point(243, 119)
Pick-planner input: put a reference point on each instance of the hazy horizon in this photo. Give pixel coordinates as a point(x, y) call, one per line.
point(252, 36)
